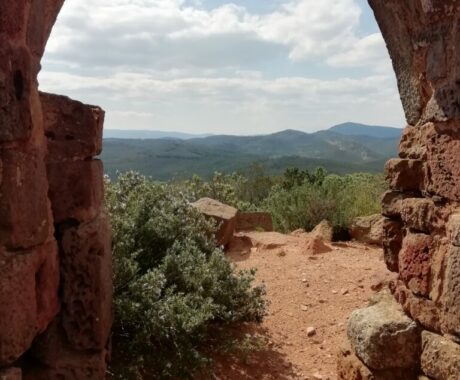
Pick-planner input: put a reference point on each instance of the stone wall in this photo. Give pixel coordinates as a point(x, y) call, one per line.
point(421, 319)
point(55, 254)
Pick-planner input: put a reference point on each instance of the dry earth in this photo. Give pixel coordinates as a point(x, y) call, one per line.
point(311, 296)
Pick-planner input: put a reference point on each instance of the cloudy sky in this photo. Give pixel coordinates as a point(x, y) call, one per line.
point(214, 66)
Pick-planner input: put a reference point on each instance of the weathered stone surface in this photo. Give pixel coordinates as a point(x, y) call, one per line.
point(11, 374)
point(451, 315)
point(391, 203)
point(440, 357)
point(86, 282)
point(392, 243)
point(349, 367)
point(323, 231)
point(24, 207)
point(58, 360)
point(415, 262)
point(73, 129)
point(76, 189)
point(29, 297)
point(405, 175)
point(422, 310)
point(15, 78)
point(383, 337)
point(453, 228)
point(368, 229)
point(252, 221)
point(418, 214)
point(224, 215)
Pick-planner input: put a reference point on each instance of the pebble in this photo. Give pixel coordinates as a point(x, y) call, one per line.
point(311, 331)
point(304, 308)
point(317, 376)
point(344, 291)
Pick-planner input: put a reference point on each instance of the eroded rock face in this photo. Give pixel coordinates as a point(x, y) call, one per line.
point(49, 180)
point(421, 236)
point(383, 337)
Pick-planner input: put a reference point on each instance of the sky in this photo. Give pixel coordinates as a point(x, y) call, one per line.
point(214, 66)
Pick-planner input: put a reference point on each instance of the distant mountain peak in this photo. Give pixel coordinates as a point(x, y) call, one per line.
point(357, 129)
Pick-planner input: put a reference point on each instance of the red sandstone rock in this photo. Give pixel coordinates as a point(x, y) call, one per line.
point(11, 374)
point(405, 175)
point(224, 215)
point(28, 295)
point(73, 129)
point(368, 229)
point(440, 357)
point(392, 243)
point(349, 367)
point(24, 206)
point(58, 360)
point(415, 262)
point(76, 190)
point(451, 315)
point(418, 214)
point(87, 286)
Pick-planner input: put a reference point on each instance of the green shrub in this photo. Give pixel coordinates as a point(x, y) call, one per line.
point(295, 204)
point(171, 285)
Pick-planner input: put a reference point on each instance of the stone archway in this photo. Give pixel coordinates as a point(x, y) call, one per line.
point(55, 279)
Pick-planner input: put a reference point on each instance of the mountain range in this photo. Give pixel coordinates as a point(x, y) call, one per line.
point(344, 148)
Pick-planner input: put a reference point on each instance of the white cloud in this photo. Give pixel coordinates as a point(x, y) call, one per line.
point(174, 64)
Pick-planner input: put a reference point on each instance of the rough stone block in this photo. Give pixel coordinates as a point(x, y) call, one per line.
point(413, 142)
point(392, 243)
point(383, 337)
point(418, 214)
point(15, 88)
point(349, 367)
point(453, 229)
point(73, 129)
point(451, 315)
point(368, 229)
point(87, 283)
point(28, 297)
point(422, 310)
point(58, 360)
point(440, 357)
point(415, 262)
point(405, 175)
point(76, 190)
point(224, 215)
point(11, 374)
point(24, 207)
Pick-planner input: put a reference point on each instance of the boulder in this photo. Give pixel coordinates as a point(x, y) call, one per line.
point(383, 337)
point(323, 231)
point(368, 229)
point(440, 357)
point(224, 215)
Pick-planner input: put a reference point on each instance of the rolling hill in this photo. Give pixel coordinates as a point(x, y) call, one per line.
point(338, 149)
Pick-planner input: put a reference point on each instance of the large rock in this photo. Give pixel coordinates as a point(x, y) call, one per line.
point(383, 337)
point(29, 284)
point(349, 367)
point(368, 229)
point(224, 215)
point(440, 357)
point(86, 272)
point(76, 189)
point(73, 129)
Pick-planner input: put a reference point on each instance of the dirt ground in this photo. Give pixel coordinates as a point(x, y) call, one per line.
point(311, 297)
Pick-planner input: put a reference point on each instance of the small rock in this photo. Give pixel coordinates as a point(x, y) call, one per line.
point(282, 253)
point(311, 331)
point(334, 292)
point(304, 280)
point(344, 291)
point(317, 376)
point(304, 308)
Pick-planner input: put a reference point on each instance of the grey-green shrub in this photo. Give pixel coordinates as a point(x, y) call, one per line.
point(171, 285)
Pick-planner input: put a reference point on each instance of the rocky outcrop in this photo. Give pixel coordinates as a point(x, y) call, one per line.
point(422, 222)
point(368, 229)
point(55, 254)
point(225, 216)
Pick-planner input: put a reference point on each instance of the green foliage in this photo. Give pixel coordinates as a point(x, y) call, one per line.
point(170, 282)
point(303, 200)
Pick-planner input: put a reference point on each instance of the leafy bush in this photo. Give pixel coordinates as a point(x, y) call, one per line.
point(171, 284)
point(304, 200)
